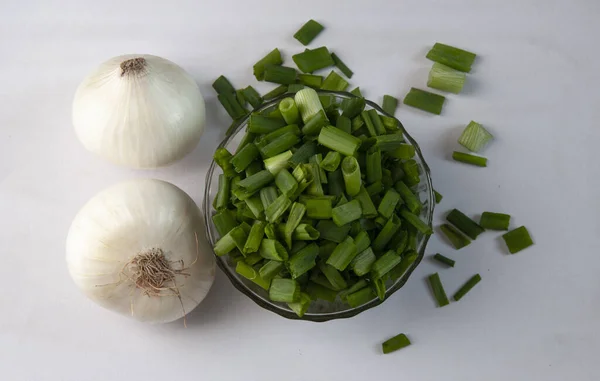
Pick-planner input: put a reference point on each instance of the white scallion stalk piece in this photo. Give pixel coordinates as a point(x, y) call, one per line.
point(475, 137)
point(137, 248)
point(139, 111)
point(276, 163)
point(445, 78)
point(308, 103)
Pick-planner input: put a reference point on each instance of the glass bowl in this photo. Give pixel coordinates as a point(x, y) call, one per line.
point(320, 310)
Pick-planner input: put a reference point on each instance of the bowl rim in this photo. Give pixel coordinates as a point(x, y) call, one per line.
point(316, 317)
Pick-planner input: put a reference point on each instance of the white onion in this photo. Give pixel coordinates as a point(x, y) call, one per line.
point(137, 221)
point(140, 111)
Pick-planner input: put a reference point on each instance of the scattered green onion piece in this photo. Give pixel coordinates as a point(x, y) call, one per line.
point(412, 201)
point(255, 205)
point(379, 288)
point(315, 123)
point(279, 90)
point(425, 101)
point(362, 263)
point(467, 287)
point(411, 172)
point(342, 66)
point(438, 290)
point(303, 261)
point(384, 264)
point(387, 232)
point(362, 241)
point(231, 105)
point(453, 57)
point(276, 163)
point(242, 159)
point(280, 74)
point(517, 240)
point(313, 60)
point(223, 193)
point(351, 173)
point(224, 221)
point(286, 183)
point(260, 124)
point(360, 297)
point(301, 306)
point(333, 276)
point(343, 254)
point(256, 181)
point(255, 237)
point(392, 142)
point(224, 245)
point(273, 58)
point(303, 153)
point(295, 87)
point(277, 208)
point(317, 159)
point(331, 232)
point(249, 273)
point(494, 221)
point(374, 172)
point(469, 159)
point(240, 97)
point(279, 145)
point(389, 104)
point(474, 137)
point(337, 140)
point(403, 151)
point(284, 290)
point(334, 82)
point(368, 208)
point(296, 213)
point(395, 343)
point(344, 123)
point(319, 209)
point(308, 103)
point(305, 232)
point(368, 123)
point(289, 111)
point(445, 78)
point(407, 260)
point(270, 269)
point(346, 213)
point(223, 86)
point(377, 123)
point(439, 197)
point(315, 188)
point(311, 80)
point(463, 223)
point(252, 96)
point(308, 32)
point(445, 260)
point(353, 107)
point(331, 162)
point(456, 239)
point(388, 203)
point(272, 249)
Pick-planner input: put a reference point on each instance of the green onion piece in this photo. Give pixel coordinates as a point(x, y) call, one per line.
point(315, 188)
point(377, 123)
point(247, 139)
point(415, 221)
point(411, 172)
point(255, 237)
point(305, 232)
point(270, 232)
point(302, 173)
point(337, 140)
point(402, 152)
point(317, 291)
point(351, 173)
point(256, 181)
point(286, 183)
point(445, 260)
point(259, 124)
point(389, 104)
point(397, 342)
point(301, 306)
point(342, 200)
point(334, 82)
point(274, 113)
point(231, 105)
point(308, 32)
point(303, 153)
point(313, 60)
point(296, 213)
point(292, 128)
point(279, 145)
point(456, 239)
point(379, 288)
point(303, 261)
point(331, 161)
point(368, 208)
point(315, 124)
point(375, 188)
point(253, 168)
point(252, 259)
point(387, 232)
point(280, 74)
point(255, 205)
point(222, 198)
point(362, 241)
point(356, 91)
point(242, 159)
point(289, 111)
point(346, 213)
point(384, 264)
point(249, 273)
point(453, 57)
point(439, 197)
point(517, 240)
point(463, 223)
point(310, 80)
point(279, 90)
point(445, 78)
point(407, 260)
point(412, 201)
point(277, 208)
point(362, 263)
point(398, 242)
point(284, 290)
point(272, 249)
point(353, 107)
point(267, 196)
point(295, 87)
point(342, 66)
point(224, 221)
point(273, 58)
point(374, 172)
point(392, 142)
point(469, 159)
point(474, 137)
point(223, 86)
point(391, 124)
point(343, 254)
point(360, 297)
point(368, 123)
point(224, 245)
point(335, 182)
point(240, 97)
point(344, 123)
point(425, 101)
point(319, 209)
point(317, 159)
point(362, 283)
point(331, 232)
point(297, 246)
point(223, 159)
point(270, 269)
point(388, 203)
point(252, 96)
point(438, 290)
point(467, 287)
point(308, 103)
point(494, 221)
point(326, 249)
point(334, 277)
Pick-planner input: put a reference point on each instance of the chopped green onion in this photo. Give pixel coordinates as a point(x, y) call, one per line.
point(374, 172)
point(280, 74)
point(310, 80)
point(333, 276)
point(225, 244)
point(286, 183)
point(249, 273)
point(305, 232)
point(445, 260)
point(342, 66)
point(407, 260)
point(377, 123)
point(412, 201)
point(255, 237)
point(517, 240)
point(351, 173)
point(274, 211)
point(391, 124)
point(289, 111)
point(474, 137)
point(346, 213)
point(273, 58)
point(319, 209)
point(375, 188)
point(255, 205)
point(303, 260)
point(360, 297)
point(296, 213)
point(388, 203)
point(393, 143)
point(368, 123)
point(344, 123)
point(315, 188)
point(368, 208)
point(231, 105)
point(279, 145)
point(270, 232)
point(278, 162)
point(389, 104)
point(362, 241)
point(438, 290)
point(395, 343)
point(463, 223)
point(403, 151)
point(270, 269)
point(335, 181)
point(331, 232)
point(259, 124)
point(279, 90)
point(301, 306)
point(379, 288)
point(331, 162)
point(252, 96)
point(223, 193)
point(469, 159)
point(445, 78)
point(303, 153)
point(387, 232)
point(315, 124)
point(317, 291)
point(353, 107)
point(313, 60)
point(439, 197)
point(308, 32)
point(272, 249)
point(256, 181)
point(223, 86)
point(284, 290)
point(362, 263)
point(456, 239)
point(425, 101)
point(334, 82)
point(467, 287)
point(244, 157)
point(494, 221)
point(337, 140)
point(411, 172)
point(308, 103)
point(384, 264)
point(343, 254)
point(317, 159)
point(453, 57)
point(224, 221)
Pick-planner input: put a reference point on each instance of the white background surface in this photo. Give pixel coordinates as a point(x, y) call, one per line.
point(535, 85)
